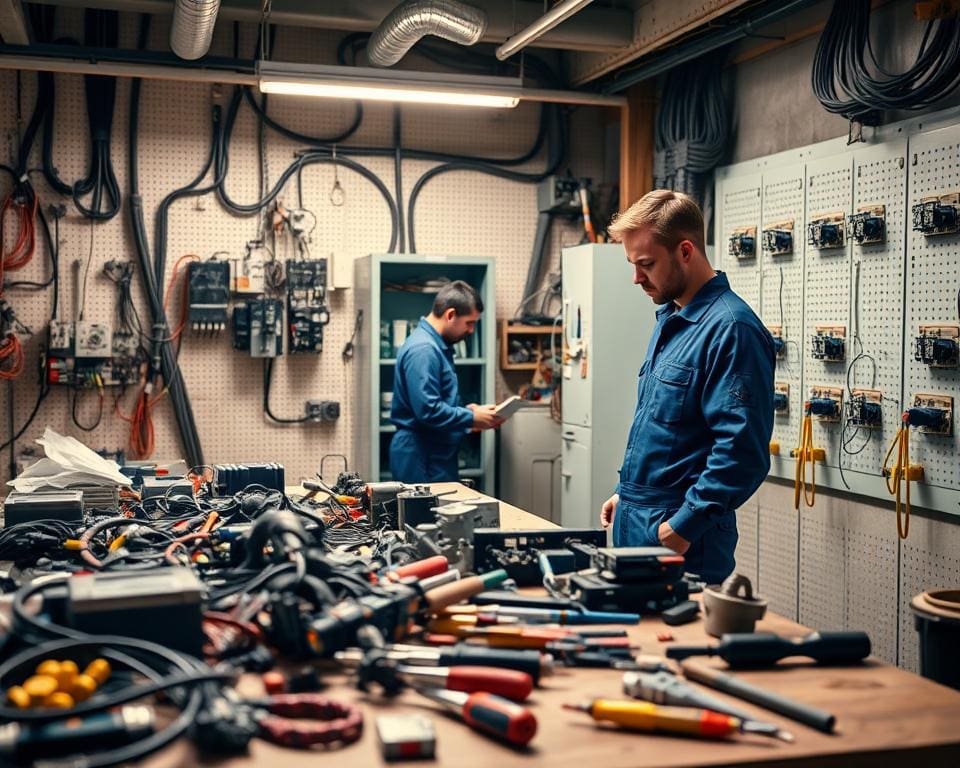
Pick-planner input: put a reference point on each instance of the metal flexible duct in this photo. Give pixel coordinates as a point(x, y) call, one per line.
point(192, 28)
point(410, 21)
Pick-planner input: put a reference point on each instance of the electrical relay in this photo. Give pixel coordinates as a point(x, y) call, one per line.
point(208, 286)
point(778, 238)
point(868, 225)
point(743, 243)
point(864, 408)
point(781, 397)
point(307, 311)
point(826, 231)
point(826, 403)
point(938, 346)
point(258, 328)
point(247, 274)
point(829, 343)
point(937, 215)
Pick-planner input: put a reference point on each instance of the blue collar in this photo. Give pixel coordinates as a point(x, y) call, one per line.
point(701, 301)
point(432, 332)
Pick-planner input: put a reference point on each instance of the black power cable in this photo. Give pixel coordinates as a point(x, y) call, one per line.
point(848, 80)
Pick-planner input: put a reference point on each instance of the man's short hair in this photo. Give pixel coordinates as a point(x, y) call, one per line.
point(671, 216)
point(458, 296)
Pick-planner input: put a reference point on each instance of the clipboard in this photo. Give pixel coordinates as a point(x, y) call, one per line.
point(508, 407)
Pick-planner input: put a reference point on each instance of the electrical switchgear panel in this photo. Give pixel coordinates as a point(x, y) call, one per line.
point(307, 311)
point(247, 275)
point(95, 359)
point(258, 328)
point(208, 290)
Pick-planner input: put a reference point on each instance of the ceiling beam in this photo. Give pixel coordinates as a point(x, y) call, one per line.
point(593, 29)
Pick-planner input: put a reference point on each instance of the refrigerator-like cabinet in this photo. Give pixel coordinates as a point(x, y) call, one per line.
point(607, 324)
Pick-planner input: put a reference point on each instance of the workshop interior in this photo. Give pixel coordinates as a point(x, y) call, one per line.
point(334, 377)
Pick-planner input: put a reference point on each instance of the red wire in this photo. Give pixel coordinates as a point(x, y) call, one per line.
point(26, 215)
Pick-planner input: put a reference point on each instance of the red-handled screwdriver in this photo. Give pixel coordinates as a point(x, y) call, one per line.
point(489, 714)
point(508, 683)
point(420, 569)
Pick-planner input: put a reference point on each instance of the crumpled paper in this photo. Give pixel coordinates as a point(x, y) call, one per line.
point(68, 462)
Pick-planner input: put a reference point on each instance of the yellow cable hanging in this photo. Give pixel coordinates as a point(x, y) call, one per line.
point(900, 472)
point(805, 453)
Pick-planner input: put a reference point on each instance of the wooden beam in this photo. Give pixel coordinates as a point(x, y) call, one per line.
point(636, 143)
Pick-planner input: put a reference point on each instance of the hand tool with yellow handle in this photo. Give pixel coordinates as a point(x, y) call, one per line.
point(650, 718)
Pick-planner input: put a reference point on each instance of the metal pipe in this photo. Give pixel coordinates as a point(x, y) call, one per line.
point(406, 24)
point(192, 27)
point(556, 15)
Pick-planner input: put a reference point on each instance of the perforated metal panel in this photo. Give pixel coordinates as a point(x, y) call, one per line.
point(880, 177)
point(747, 545)
point(826, 287)
point(822, 565)
point(933, 292)
point(870, 562)
point(783, 197)
point(778, 531)
point(929, 559)
point(740, 207)
point(458, 214)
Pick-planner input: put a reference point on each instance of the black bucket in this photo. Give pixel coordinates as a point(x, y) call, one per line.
point(936, 615)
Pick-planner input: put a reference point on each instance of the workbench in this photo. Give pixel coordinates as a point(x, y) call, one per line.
point(885, 716)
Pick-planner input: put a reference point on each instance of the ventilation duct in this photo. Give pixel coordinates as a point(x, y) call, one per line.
point(192, 29)
point(409, 22)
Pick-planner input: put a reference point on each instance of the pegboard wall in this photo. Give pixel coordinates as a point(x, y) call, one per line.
point(879, 294)
point(458, 213)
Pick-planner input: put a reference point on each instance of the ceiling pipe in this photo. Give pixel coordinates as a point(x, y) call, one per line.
point(409, 22)
point(556, 15)
point(192, 28)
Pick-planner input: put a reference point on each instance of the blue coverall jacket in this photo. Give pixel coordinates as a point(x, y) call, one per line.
point(699, 445)
point(426, 410)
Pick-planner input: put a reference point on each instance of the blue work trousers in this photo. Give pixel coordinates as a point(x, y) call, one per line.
point(417, 457)
point(642, 509)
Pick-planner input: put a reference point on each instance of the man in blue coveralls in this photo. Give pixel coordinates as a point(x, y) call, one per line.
point(426, 401)
point(699, 444)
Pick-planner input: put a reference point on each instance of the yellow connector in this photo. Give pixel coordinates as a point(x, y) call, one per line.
point(775, 448)
point(74, 545)
point(811, 454)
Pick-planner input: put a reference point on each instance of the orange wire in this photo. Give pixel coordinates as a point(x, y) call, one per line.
point(11, 357)
point(23, 249)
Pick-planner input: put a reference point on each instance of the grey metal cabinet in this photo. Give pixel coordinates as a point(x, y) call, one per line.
point(529, 462)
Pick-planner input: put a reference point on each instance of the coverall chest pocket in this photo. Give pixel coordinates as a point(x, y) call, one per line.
point(670, 385)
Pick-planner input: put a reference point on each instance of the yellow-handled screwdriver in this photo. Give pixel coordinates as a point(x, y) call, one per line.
point(647, 717)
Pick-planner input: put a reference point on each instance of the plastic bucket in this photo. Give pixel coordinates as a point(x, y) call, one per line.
point(936, 615)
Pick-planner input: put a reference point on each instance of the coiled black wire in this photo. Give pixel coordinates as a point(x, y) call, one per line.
point(848, 80)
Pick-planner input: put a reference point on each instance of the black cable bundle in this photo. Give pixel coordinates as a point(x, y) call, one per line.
point(848, 80)
point(692, 130)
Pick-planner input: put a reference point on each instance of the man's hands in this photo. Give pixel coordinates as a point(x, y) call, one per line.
point(670, 538)
point(484, 416)
point(608, 510)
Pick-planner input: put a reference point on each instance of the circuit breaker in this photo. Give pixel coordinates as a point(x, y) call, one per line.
point(248, 274)
point(208, 290)
point(932, 414)
point(258, 328)
point(825, 403)
point(307, 311)
point(94, 358)
point(864, 408)
point(826, 231)
point(781, 397)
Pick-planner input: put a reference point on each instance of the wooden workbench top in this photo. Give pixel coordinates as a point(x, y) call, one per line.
point(885, 716)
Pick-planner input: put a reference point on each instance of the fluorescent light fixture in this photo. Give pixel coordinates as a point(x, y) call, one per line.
point(369, 84)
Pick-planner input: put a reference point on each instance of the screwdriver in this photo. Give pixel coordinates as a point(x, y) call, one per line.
point(544, 615)
point(440, 597)
point(761, 649)
point(666, 688)
point(489, 714)
point(420, 569)
point(647, 717)
point(533, 663)
point(509, 683)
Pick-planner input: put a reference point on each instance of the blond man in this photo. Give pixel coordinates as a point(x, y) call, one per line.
point(699, 444)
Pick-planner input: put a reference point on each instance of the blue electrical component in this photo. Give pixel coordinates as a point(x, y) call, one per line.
point(780, 402)
point(867, 228)
point(864, 413)
point(825, 234)
point(935, 217)
point(829, 348)
point(779, 345)
point(823, 406)
point(742, 245)
point(934, 419)
point(778, 241)
point(935, 350)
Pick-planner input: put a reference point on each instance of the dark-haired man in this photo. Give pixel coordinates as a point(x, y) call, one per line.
point(426, 400)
